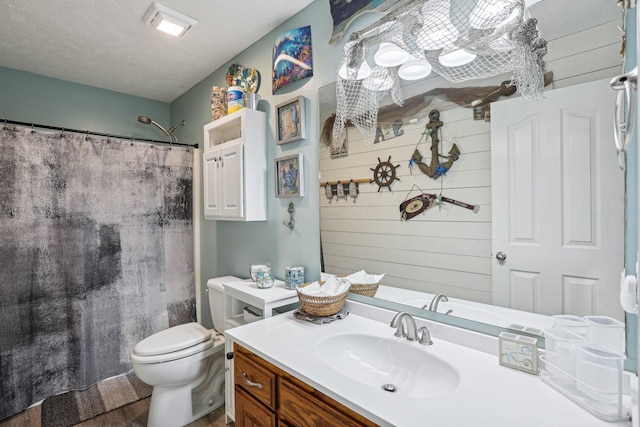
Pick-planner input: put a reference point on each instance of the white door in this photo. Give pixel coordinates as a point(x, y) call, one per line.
point(211, 162)
point(557, 203)
point(232, 182)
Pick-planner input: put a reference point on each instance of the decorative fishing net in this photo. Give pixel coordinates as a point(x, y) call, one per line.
point(498, 32)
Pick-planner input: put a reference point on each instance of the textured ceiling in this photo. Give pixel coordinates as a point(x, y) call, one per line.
point(104, 43)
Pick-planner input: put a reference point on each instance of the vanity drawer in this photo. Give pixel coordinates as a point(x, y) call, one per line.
point(303, 406)
point(254, 376)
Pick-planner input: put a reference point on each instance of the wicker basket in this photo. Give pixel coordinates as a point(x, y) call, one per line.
point(367, 290)
point(321, 306)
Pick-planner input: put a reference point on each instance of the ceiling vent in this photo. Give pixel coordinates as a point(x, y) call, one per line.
point(168, 20)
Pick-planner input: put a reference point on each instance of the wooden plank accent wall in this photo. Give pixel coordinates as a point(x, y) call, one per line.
point(444, 249)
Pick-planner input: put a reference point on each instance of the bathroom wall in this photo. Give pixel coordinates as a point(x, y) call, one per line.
point(33, 98)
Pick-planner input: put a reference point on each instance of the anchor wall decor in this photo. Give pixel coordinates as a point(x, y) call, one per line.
point(436, 167)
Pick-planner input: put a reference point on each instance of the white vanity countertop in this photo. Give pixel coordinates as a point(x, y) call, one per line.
point(488, 394)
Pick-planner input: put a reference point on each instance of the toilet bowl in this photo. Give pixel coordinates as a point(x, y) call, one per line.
point(185, 366)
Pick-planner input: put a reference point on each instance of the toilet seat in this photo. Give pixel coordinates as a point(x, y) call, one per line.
point(174, 343)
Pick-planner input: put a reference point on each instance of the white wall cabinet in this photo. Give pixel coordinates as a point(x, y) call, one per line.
point(235, 167)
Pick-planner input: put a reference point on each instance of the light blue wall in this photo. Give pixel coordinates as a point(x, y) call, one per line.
point(32, 98)
point(631, 214)
point(229, 247)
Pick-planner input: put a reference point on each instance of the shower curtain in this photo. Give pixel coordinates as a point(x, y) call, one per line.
point(96, 253)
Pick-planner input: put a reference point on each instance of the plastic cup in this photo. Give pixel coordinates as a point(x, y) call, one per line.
point(560, 353)
point(572, 323)
point(600, 373)
point(605, 332)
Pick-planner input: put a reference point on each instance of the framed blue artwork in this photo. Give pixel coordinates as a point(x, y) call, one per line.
point(290, 121)
point(289, 176)
point(292, 57)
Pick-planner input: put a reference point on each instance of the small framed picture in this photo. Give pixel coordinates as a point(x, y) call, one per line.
point(289, 176)
point(290, 121)
point(340, 147)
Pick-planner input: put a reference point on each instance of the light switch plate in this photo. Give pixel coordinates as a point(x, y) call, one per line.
point(518, 352)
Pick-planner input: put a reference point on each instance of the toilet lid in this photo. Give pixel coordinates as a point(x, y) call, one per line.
point(173, 339)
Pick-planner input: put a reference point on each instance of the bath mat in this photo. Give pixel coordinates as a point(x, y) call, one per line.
point(70, 408)
point(319, 320)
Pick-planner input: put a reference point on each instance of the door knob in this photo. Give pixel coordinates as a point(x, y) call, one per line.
point(501, 256)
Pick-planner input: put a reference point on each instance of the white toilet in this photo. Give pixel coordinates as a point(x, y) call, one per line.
point(185, 366)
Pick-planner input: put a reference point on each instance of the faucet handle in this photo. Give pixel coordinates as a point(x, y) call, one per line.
point(425, 336)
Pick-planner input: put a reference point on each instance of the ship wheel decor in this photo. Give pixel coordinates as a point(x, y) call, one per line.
point(384, 174)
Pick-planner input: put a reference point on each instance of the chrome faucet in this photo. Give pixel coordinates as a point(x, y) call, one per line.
point(406, 326)
point(435, 301)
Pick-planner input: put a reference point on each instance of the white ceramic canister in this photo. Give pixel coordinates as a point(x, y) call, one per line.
point(234, 99)
point(293, 276)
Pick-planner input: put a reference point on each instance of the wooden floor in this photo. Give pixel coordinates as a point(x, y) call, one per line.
point(135, 415)
point(132, 415)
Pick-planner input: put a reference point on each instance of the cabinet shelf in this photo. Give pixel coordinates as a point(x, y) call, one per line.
point(235, 321)
point(225, 129)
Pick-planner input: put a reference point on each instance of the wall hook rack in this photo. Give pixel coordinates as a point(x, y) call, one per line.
point(341, 189)
point(292, 210)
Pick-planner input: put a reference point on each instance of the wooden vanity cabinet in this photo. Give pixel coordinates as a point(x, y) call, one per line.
point(267, 396)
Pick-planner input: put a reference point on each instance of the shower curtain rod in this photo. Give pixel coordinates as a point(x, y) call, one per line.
point(108, 135)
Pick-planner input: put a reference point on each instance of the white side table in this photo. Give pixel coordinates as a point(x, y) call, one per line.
point(239, 294)
point(265, 299)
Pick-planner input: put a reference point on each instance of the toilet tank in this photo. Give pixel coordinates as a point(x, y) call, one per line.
point(216, 301)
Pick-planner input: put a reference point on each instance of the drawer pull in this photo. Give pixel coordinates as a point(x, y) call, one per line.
point(250, 383)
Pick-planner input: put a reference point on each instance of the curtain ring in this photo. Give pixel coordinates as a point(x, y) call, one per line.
point(32, 129)
point(87, 137)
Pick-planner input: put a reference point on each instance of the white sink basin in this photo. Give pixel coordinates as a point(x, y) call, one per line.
point(377, 361)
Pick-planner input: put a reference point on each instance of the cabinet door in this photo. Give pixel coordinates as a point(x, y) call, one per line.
point(250, 413)
point(232, 187)
point(211, 162)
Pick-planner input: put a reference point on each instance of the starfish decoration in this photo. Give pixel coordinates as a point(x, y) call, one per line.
point(441, 170)
point(426, 133)
point(412, 164)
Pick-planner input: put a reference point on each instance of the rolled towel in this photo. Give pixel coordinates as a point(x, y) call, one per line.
point(361, 277)
point(333, 286)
